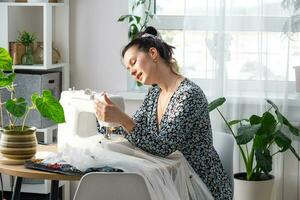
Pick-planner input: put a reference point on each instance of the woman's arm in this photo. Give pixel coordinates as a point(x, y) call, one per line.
point(128, 123)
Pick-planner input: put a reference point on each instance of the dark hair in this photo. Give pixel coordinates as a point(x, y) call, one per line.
point(150, 38)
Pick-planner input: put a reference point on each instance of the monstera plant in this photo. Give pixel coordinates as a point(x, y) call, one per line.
point(17, 109)
point(255, 137)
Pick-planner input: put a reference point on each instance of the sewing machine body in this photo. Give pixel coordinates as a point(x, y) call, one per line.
point(80, 127)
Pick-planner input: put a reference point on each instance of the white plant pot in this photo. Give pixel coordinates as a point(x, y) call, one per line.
point(252, 190)
point(297, 76)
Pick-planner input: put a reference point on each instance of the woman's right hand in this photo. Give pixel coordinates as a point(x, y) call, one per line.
point(107, 111)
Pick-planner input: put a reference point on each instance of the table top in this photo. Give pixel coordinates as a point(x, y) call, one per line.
point(21, 171)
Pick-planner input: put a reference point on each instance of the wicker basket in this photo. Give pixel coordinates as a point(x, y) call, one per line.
point(16, 51)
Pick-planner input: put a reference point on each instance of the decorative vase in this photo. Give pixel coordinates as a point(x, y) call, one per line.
point(38, 55)
point(252, 190)
point(297, 77)
point(18, 145)
point(27, 58)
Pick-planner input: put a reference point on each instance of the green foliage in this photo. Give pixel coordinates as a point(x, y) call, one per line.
point(135, 23)
point(26, 38)
point(17, 107)
point(257, 134)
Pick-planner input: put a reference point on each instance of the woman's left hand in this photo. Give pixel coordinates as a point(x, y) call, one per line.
point(107, 111)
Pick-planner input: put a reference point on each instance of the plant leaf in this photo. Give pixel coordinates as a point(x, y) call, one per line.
point(6, 79)
point(254, 119)
point(133, 30)
point(268, 124)
point(294, 152)
point(246, 133)
point(293, 129)
point(137, 19)
point(16, 107)
point(264, 160)
point(282, 141)
point(49, 107)
point(272, 104)
point(232, 122)
point(5, 60)
point(261, 141)
point(123, 17)
point(216, 103)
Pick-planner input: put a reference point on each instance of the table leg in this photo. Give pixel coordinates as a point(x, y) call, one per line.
point(17, 188)
point(54, 190)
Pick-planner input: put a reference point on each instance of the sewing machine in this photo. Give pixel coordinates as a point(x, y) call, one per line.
point(80, 127)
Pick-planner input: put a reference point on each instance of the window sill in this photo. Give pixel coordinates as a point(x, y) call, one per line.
point(132, 95)
point(292, 99)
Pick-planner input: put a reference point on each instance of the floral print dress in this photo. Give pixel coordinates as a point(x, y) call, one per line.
point(185, 126)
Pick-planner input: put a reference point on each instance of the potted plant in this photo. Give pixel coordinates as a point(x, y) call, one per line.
point(255, 137)
point(27, 40)
point(138, 23)
point(18, 142)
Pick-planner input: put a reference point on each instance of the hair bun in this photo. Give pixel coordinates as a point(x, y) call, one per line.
point(151, 30)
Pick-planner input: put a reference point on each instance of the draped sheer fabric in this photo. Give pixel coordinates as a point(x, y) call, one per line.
point(166, 178)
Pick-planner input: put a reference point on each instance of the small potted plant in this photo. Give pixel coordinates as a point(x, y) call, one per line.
point(18, 142)
point(255, 137)
point(27, 39)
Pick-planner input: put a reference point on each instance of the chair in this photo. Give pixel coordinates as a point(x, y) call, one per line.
point(224, 143)
point(112, 186)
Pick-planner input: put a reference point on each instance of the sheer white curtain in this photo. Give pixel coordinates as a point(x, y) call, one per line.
point(239, 49)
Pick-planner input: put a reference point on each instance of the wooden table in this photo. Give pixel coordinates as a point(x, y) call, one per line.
point(21, 172)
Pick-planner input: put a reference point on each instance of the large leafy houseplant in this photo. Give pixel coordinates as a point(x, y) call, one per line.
point(137, 23)
point(255, 137)
point(17, 107)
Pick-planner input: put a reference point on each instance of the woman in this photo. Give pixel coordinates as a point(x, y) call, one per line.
point(174, 114)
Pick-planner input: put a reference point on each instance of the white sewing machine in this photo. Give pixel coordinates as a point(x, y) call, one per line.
point(80, 127)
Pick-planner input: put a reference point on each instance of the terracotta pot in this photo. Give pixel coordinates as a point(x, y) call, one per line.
point(18, 145)
point(252, 190)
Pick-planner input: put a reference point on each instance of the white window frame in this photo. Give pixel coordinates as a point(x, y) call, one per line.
point(205, 23)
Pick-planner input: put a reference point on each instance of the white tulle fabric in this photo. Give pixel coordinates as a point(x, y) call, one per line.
point(166, 178)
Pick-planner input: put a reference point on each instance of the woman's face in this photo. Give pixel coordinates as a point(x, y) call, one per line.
point(140, 65)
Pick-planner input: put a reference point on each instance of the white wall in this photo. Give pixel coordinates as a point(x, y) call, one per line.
point(96, 40)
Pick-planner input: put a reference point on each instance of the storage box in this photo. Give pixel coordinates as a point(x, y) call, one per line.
point(35, 81)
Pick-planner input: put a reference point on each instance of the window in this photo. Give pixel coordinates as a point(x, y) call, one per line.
point(242, 38)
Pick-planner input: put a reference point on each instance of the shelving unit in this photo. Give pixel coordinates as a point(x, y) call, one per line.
point(50, 21)
point(55, 28)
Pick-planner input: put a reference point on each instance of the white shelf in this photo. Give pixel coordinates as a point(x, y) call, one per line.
point(30, 4)
point(40, 67)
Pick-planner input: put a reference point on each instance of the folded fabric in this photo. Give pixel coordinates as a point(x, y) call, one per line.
point(66, 169)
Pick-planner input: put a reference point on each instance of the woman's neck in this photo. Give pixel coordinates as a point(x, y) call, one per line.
point(168, 81)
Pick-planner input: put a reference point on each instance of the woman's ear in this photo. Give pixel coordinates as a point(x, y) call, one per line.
point(153, 53)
